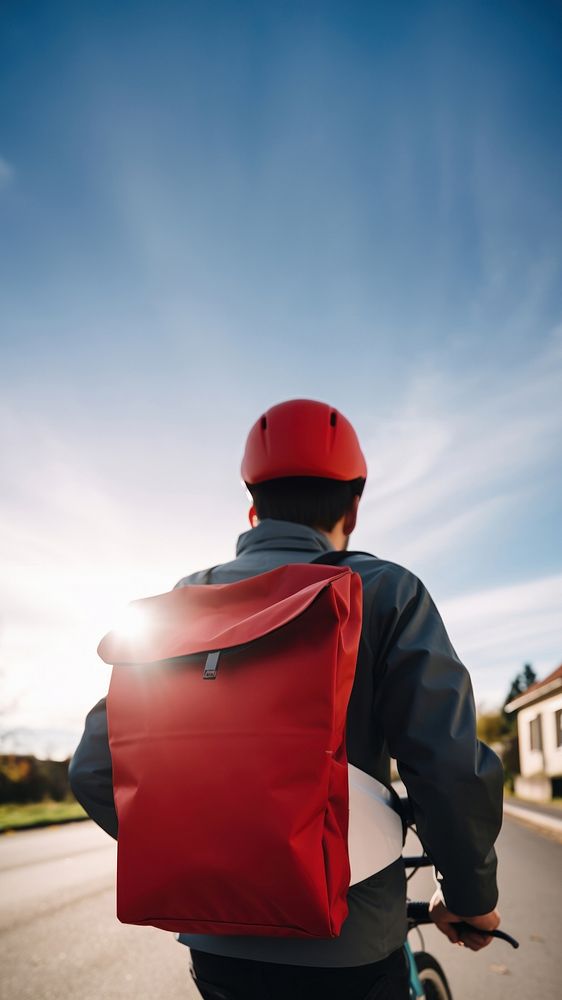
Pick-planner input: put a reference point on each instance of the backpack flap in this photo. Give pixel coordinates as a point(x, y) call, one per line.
point(232, 796)
point(196, 619)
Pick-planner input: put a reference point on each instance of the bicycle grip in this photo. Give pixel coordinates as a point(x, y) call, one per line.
point(463, 926)
point(418, 913)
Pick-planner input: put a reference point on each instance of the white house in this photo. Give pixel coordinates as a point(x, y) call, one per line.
point(539, 724)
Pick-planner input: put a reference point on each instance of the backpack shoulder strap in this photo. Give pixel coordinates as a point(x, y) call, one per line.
point(335, 558)
point(339, 556)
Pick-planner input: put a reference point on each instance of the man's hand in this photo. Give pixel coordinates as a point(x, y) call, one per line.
point(445, 921)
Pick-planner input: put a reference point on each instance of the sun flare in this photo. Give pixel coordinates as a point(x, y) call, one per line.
point(131, 623)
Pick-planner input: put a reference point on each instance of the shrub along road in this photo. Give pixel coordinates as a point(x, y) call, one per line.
point(14, 816)
point(59, 937)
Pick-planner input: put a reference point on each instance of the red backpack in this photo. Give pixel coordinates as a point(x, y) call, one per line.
point(226, 714)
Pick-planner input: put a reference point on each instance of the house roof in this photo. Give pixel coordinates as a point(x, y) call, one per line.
point(537, 690)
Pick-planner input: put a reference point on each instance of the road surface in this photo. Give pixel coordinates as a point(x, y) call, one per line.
point(59, 937)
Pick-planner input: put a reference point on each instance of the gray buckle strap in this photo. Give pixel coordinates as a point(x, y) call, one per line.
point(211, 665)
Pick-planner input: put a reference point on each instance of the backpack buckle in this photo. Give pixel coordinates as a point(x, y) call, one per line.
point(211, 664)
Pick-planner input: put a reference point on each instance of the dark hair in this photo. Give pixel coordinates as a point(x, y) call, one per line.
point(310, 500)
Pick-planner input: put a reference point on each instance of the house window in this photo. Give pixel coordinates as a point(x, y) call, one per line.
point(558, 721)
point(536, 735)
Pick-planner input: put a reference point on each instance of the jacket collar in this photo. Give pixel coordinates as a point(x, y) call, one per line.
point(272, 534)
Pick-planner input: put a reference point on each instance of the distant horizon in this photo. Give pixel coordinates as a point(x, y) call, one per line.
point(207, 210)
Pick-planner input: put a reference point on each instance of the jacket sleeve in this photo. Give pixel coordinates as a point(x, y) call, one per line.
point(454, 782)
point(90, 771)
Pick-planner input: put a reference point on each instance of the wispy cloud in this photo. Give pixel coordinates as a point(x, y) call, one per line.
point(470, 456)
point(459, 454)
point(496, 630)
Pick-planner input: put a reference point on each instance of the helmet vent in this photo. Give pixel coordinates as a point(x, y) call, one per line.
point(333, 418)
point(264, 423)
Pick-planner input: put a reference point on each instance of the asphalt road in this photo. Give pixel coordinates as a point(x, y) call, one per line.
point(59, 937)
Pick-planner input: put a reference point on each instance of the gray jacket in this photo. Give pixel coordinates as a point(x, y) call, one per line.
point(412, 700)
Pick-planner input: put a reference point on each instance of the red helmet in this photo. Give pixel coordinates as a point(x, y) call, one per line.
point(302, 438)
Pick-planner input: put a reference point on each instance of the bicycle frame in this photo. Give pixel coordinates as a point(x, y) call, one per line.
point(416, 989)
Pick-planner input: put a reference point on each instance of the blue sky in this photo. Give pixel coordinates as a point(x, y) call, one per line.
point(206, 208)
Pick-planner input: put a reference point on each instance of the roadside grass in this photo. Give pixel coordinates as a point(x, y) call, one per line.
point(16, 816)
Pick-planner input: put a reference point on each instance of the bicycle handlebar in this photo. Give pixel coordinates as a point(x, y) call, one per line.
point(418, 913)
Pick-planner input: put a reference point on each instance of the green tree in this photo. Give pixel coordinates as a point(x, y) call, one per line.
point(519, 684)
point(492, 727)
point(510, 756)
point(529, 675)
